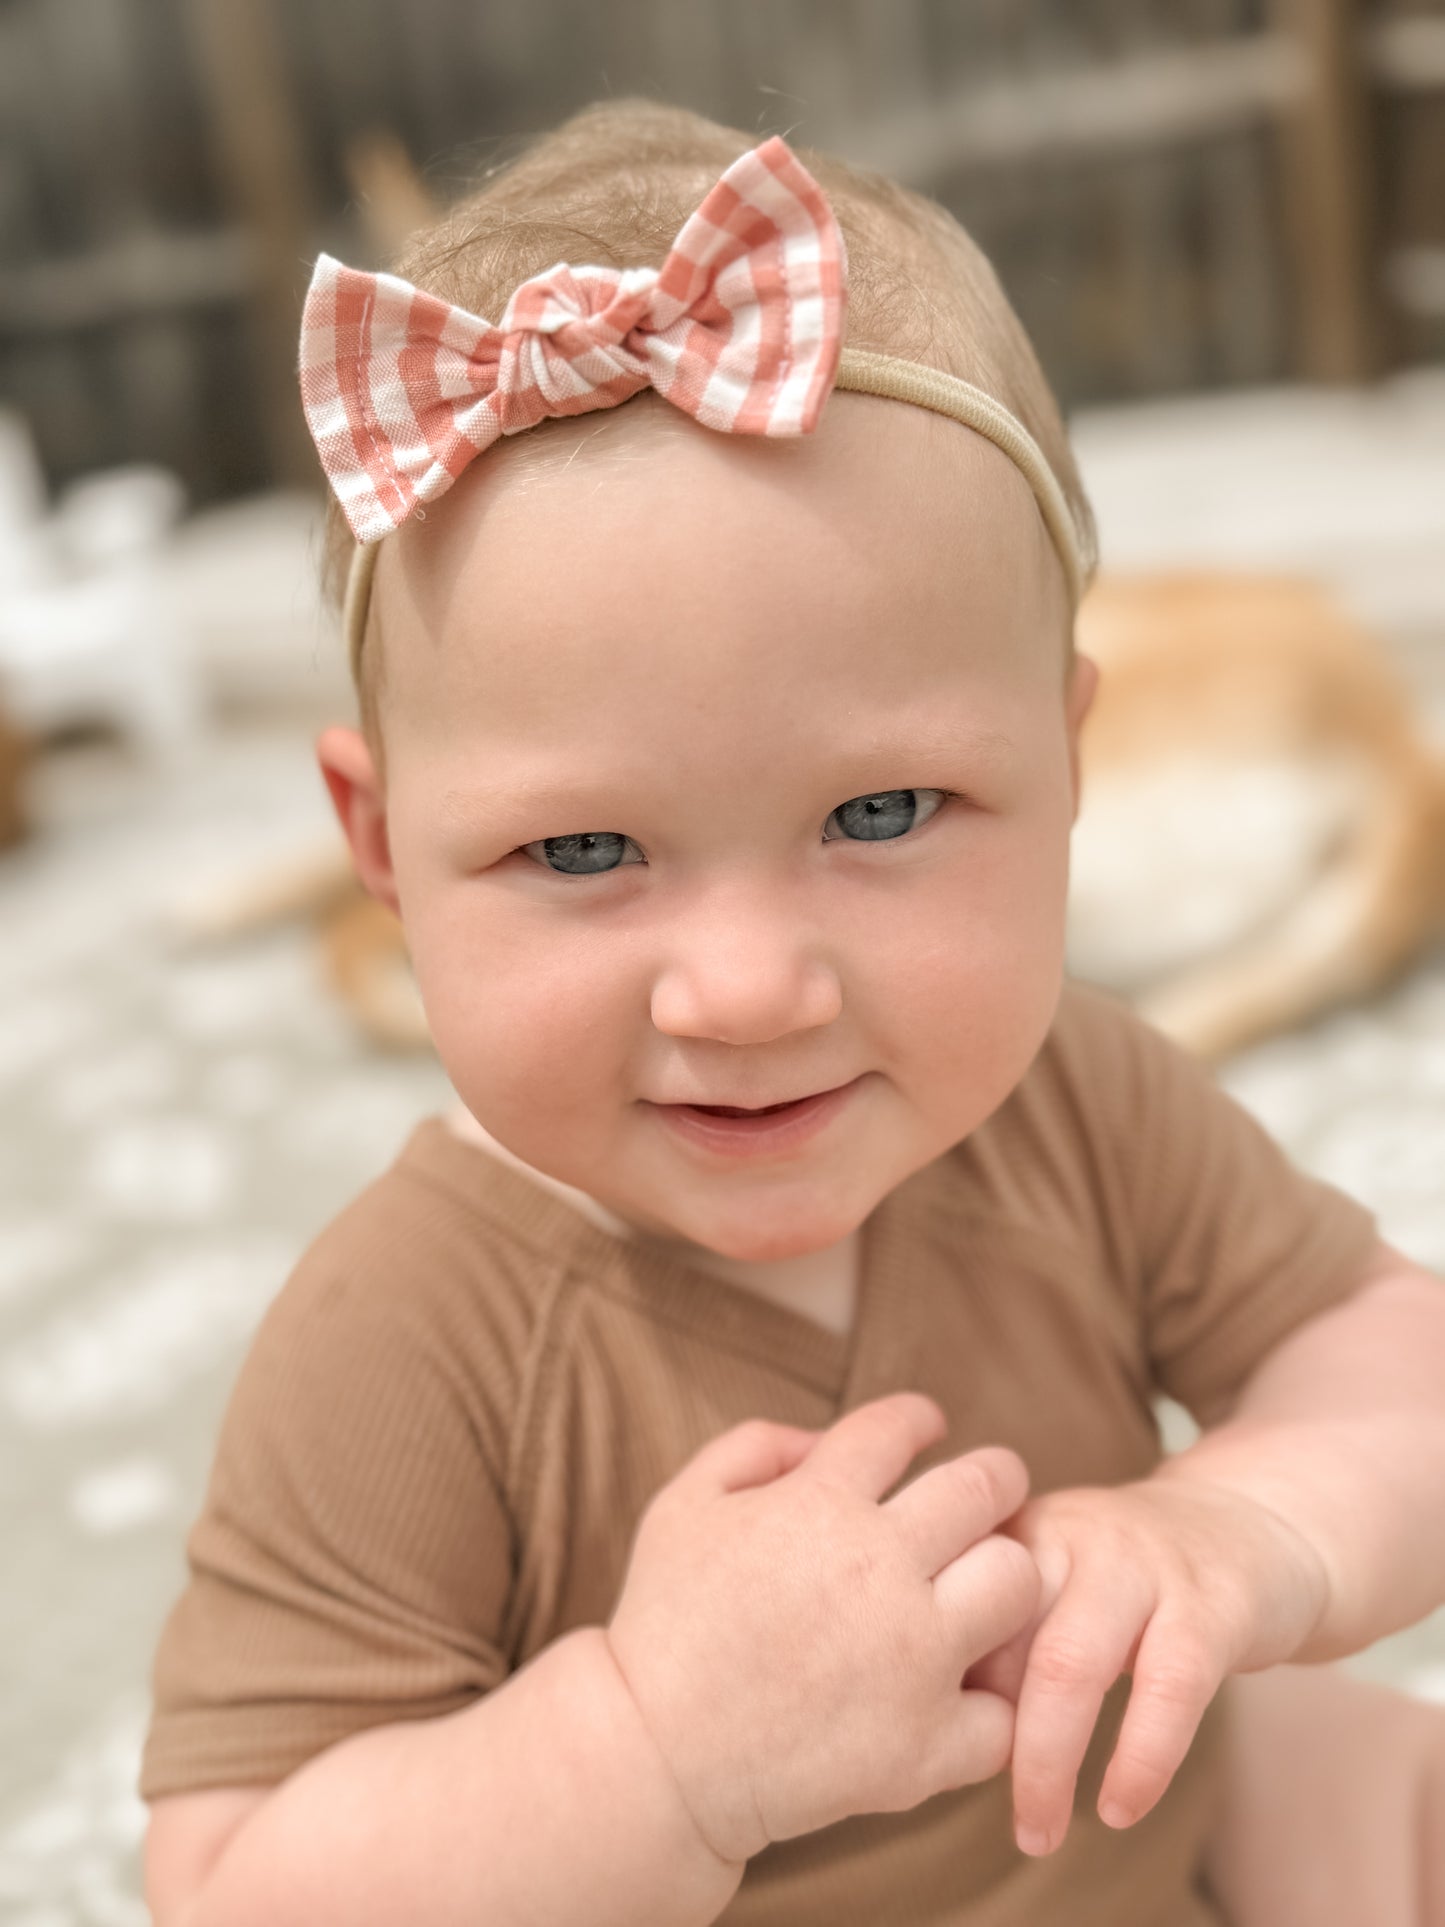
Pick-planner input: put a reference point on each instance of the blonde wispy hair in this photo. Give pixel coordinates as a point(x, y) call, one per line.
point(614, 183)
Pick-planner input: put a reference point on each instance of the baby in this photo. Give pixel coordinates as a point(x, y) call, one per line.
point(719, 753)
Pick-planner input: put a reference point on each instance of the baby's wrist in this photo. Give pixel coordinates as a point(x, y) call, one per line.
point(672, 1813)
point(1314, 1586)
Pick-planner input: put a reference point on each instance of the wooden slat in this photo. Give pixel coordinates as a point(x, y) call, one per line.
point(259, 152)
point(87, 100)
point(145, 273)
point(1141, 103)
point(62, 392)
point(1326, 172)
point(155, 382)
point(1242, 286)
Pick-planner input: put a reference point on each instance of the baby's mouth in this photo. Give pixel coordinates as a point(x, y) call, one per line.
point(772, 1130)
point(730, 1110)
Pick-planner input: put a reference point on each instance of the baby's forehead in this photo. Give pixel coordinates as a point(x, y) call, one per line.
point(637, 514)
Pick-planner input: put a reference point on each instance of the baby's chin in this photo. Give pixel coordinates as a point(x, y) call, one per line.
point(749, 1247)
point(752, 1232)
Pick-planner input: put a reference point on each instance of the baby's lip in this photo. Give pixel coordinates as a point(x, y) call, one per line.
point(715, 1104)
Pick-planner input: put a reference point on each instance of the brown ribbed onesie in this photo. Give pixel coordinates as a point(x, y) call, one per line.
point(455, 1410)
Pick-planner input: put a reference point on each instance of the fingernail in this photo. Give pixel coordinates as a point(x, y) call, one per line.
point(1113, 1815)
point(1032, 1840)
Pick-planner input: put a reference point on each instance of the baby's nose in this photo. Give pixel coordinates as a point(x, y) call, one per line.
point(746, 980)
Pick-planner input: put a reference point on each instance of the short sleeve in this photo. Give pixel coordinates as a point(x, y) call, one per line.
point(352, 1562)
point(1236, 1246)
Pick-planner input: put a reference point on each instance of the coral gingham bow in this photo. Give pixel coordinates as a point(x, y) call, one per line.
point(741, 328)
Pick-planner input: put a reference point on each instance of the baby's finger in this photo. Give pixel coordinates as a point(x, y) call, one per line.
point(753, 1453)
point(943, 1512)
point(989, 1593)
point(1002, 1670)
point(973, 1741)
point(871, 1447)
point(1176, 1675)
point(1080, 1650)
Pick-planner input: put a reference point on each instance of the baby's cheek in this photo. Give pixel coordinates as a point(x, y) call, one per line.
point(970, 1052)
point(518, 1034)
point(981, 984)
point(1000, 915)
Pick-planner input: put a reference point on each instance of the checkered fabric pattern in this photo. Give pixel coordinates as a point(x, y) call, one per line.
point(741, 328)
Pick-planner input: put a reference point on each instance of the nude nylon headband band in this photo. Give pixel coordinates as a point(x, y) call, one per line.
point(897, 380)
point(864, 373)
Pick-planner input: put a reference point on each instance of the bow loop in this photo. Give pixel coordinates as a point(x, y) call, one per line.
point(741, 328)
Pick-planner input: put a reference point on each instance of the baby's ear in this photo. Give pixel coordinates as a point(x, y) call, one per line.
point(1083, 682)
point(350, 775)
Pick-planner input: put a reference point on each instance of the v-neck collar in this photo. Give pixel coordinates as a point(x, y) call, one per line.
point(842, 1365)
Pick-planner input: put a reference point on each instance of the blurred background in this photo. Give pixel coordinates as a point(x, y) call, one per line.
point(1222, 223)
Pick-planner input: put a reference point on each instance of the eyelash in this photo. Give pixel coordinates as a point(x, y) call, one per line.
point(945, 796)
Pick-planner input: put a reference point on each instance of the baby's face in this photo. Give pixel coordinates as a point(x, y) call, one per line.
point(731, 770)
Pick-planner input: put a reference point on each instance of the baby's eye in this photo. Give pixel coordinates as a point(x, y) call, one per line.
point(883, 815)
point(591, 854)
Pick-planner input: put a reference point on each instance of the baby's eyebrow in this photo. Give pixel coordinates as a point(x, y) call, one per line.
point(520, 793)
point(866, 767)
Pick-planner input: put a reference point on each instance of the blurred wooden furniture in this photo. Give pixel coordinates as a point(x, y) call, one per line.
point(1173, 200)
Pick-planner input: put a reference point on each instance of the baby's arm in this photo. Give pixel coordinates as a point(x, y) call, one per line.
point(545, 1801)
point(1341, 1432)
point(787, 1650)
point(1302, 1527)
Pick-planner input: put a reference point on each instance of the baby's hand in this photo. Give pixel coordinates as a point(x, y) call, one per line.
point(796, 1642)
point(1179, 1584)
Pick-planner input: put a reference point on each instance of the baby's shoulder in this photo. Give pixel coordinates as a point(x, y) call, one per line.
point(420, 1264)
point(1110, 1068)
point(1072, 1148)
